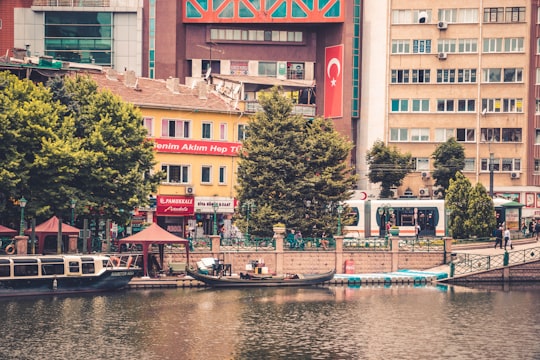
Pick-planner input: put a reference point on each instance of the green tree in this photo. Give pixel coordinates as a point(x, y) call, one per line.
point(388, 166)
point(293, 170)
point(457, 201)
point(449, 158)
point(481, 219)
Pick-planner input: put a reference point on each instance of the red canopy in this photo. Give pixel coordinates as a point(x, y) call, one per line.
point(50, 227)
point(154, 234)
point(7, 231)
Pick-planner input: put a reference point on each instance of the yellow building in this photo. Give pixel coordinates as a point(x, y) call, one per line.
point(197, 136)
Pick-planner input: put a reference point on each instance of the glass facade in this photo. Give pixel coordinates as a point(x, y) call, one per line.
point(83, 37)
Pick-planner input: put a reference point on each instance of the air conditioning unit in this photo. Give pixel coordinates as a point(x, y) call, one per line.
point(394, 191)
point(441, 25)
point(438, 193)
point(426, 175)
point(190, 190)
point(423, 192)
point(442, 56)
point(515, 175)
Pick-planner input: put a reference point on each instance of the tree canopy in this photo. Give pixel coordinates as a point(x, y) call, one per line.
point(69, 141)
point(449, 158)
point(388, 166)
point(294, 170)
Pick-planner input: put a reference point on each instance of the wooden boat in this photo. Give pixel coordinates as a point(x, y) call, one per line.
point(64, 274)
point(260, 280)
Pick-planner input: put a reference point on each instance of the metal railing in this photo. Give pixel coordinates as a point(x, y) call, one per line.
point(73, 3)
point(298, 109)
point(464, 263)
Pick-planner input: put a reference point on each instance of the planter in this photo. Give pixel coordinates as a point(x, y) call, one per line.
point(394, 232)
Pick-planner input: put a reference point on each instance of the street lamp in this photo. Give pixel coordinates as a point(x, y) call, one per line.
point(215, 206)
point(22, 204)
point(385, 211)
point(72, 203)
point(248, 207)
point(339, 212)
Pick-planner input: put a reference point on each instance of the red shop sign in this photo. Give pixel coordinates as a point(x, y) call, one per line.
point(175, 205)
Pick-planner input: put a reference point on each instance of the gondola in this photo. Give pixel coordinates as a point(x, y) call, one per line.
point(260, 280)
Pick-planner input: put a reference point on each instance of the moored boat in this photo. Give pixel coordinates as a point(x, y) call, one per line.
point(64, 274)
point(267, 280)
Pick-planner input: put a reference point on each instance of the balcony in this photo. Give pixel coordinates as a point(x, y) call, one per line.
point(298, 109)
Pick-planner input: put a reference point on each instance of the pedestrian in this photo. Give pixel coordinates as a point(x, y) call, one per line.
point(537, 229)
point(523, 228)
point(417, 231)
point(531, 228)
point(507, 239)
point(498, 237)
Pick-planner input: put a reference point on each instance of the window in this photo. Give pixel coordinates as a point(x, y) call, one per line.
point(513, 75)
point(502, 105)
point(466, 75)
point(401, 46)
point(242, 132)
point(421, 46)
point(513, 44)
point(509, 164)
point(147, 123)
point(536, 166)
point(175, 128)
point(425, 13)
point(537, 76)
point(206, 174)
point(401, 17)
point(222, 175)
point(466, 105)
point(420, 75)
point(490, 134)
point(267, 68)
point(223, 131)
point(176, 174)
point(446, 45)
point(448, 15)
point(491, 75)
point(470, 164)
point(484, 164)
point(493, 15)
point(420, 105)
point(468, 45)
point(445, 105)
point(492, 45)
point(295, 71)
point(400, 105)
point(537, 106)
point(465, 135)
point(420, 134)
point(515, 14)
point(400, 134)
point(511, 135)
point(537, 137)
point(442, 135)
point(400, 76)
point(421, 164)
point(206, 131)
point(467, 16)
point(446, 75)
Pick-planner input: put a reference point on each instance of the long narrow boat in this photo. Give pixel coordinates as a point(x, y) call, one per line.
point(246, 280)
point(64, 274)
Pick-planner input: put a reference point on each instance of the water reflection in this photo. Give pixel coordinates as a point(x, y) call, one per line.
point(338, 322)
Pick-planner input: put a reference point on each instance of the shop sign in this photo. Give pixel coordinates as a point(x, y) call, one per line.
point(206, 204)
point(183, 146)
point(175, 205)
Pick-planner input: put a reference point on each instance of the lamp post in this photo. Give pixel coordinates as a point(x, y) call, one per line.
point(491, 165)
point(385, 211)
point(22, 204)
point(339, 212)
point(215, 206)
point(72, 204)
point(248, 207)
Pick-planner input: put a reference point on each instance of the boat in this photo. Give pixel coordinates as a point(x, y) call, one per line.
point(260, 280)
point(24, 275)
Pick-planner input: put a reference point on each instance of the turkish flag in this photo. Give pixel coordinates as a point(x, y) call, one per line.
point(333, 81)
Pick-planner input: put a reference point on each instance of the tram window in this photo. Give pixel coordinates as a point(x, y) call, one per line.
point(4, 270)
point(52, 269)
point(25, 270)
point(88, 268)
point(73, 266)
point(407, 220)
point(352, 217)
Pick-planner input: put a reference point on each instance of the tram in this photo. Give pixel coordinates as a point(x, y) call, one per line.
point(369, 217)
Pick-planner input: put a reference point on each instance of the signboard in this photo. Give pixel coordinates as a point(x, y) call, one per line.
point(184, 146)
point(205, 204)
point(175, 205)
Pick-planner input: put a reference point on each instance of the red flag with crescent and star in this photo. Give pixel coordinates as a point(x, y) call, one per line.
point(333, 82)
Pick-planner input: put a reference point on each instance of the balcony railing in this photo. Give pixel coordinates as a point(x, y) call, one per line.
point(73, 3)
point(299, 109)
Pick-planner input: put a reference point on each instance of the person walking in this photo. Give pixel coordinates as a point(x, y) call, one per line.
point(417, 231)
point(537, 229)
point(531, 228)
point(507, 239)
point(498, 237)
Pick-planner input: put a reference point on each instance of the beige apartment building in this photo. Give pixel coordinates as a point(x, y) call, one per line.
point(463, 69)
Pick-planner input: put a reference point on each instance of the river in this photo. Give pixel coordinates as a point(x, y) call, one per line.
point(335, 322)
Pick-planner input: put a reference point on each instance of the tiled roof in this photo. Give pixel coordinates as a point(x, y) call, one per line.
point(152, 93)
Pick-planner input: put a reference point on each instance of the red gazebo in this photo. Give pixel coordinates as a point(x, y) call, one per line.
point(154, 234)
point(5, 231)
point(50, 227)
